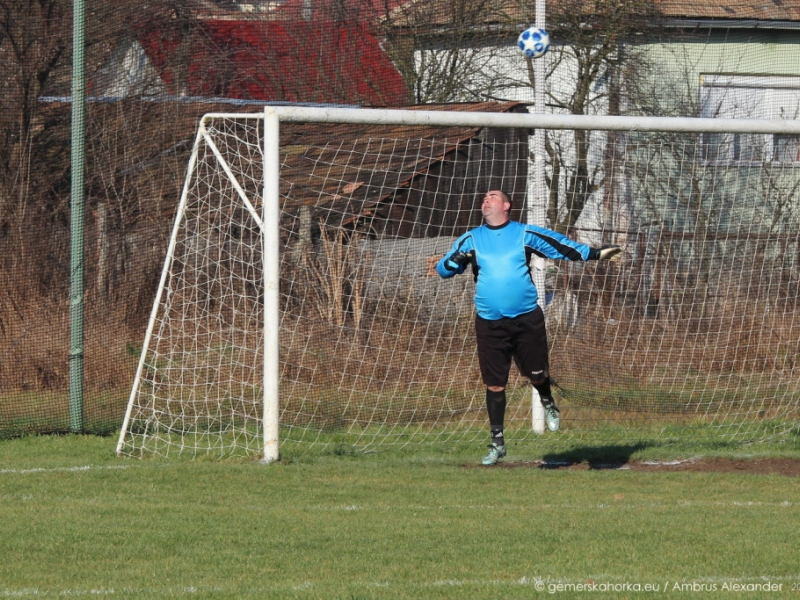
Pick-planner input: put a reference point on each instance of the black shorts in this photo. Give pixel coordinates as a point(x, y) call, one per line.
point(522, 338)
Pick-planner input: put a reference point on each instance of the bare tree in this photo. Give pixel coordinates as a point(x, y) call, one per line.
point(592, 44)
point(34, 41)
point(444, 50)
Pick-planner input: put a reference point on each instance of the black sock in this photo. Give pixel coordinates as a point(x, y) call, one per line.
point(544, 392)
point(496, 407)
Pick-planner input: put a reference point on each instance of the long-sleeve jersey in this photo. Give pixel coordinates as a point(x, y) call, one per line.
point(502, 257)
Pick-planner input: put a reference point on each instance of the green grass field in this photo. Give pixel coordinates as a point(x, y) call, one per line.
point(412, 523)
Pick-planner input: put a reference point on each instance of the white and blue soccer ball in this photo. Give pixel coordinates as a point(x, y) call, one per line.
point(533, 42)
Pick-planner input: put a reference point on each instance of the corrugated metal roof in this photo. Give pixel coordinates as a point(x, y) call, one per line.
point(272, 60)
point(294, 10)
point(437, 12)
point(347, 170)
point(763, 10)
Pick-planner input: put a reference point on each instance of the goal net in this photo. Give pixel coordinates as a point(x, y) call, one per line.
point(299, 282)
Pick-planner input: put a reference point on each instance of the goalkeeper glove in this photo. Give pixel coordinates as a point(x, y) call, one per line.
point(458, 259)
point(613, 253)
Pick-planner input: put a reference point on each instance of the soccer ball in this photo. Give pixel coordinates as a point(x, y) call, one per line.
point(533, 42)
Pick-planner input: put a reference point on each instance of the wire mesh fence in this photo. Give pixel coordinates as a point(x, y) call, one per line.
point(154, 71)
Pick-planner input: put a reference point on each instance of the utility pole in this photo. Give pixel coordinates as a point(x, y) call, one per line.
point(77, 215)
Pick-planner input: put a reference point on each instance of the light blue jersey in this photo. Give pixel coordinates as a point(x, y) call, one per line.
point(502, 256)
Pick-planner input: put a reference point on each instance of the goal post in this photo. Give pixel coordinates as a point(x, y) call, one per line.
point(272, 173)
point(281, 243)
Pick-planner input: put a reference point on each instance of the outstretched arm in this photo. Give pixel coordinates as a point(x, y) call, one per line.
point(550, 244)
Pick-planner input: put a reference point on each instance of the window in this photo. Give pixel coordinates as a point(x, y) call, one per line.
point(786, 148)
point(750, 97)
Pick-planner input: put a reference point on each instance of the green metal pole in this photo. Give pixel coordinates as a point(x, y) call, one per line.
point(77, 211)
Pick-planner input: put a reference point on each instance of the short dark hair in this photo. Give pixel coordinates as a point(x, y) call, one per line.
point(506, 197)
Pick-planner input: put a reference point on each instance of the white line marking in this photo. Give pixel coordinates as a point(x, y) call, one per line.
point(668, 463)
point(571, 506)
point(60, 469)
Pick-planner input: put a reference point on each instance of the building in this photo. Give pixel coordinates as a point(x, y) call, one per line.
point(258, 51)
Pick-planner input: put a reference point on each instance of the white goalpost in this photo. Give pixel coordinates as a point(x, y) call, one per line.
point(297, 303)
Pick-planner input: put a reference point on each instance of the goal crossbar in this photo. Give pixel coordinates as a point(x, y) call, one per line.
point(375, 116)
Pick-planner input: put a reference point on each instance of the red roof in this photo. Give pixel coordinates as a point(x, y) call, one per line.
point(358, 10)
point(276, 60)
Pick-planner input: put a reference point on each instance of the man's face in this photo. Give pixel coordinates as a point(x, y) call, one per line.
point(494, 206)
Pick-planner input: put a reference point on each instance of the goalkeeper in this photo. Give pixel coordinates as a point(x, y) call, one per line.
point(509, 322)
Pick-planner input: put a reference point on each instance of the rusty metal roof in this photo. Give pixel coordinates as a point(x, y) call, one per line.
point(437, 12)
point(762, 10)
point(348, 169)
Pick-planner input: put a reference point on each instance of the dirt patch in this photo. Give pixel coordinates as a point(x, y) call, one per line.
point(790, 467)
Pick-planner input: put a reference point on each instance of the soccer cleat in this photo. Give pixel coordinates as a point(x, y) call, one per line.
point(552, 416)
point(495, 453)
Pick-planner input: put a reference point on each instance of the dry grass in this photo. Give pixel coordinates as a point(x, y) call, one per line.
point(349, 357)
